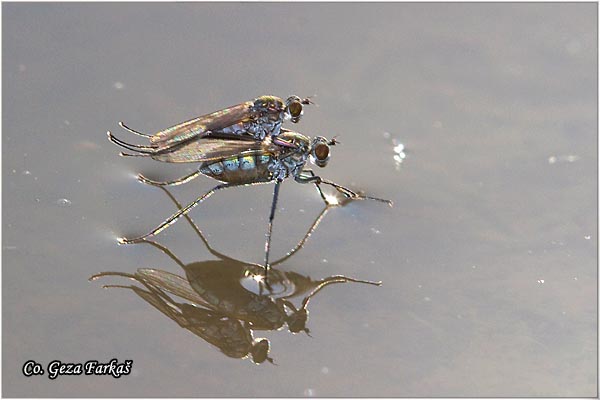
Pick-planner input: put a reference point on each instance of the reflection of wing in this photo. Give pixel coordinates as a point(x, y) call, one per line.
point(201, 126)
point(207, 149)
point(171, 283)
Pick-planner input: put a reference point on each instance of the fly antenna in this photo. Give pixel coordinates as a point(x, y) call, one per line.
point(309, 100)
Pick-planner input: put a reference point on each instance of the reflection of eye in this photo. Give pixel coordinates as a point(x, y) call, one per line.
point(295, 109)
point(321, 151)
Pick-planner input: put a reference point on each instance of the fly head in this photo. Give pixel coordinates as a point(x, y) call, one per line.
point(320, 153)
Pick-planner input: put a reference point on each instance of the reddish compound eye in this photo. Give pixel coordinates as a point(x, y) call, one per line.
point(321, 151)
point(295, 109)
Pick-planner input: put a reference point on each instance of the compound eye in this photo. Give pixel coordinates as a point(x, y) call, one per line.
point(295, 109)
point(321, 151)
point(260, 351)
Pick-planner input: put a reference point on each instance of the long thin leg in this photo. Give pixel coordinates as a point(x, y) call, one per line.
point(310, 231)
point(270, 228)
point(112, 273)
point(312, 174)
point(130, 146)
point(344, 190)
point(134, 155)
point(222, 256)
point(173, 218)
point(197, 230)
point(122, 125)
point(178, 181)
point(135, 277)
point(335, 279)
point(165, 250)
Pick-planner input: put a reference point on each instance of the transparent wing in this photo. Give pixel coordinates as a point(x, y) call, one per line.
point(208, 148)
point(201, 126)
point(171, 283)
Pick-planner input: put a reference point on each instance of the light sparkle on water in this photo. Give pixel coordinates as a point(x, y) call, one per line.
point(569, 158)
point(398, 149)
point(63, 202)
point(332, 199)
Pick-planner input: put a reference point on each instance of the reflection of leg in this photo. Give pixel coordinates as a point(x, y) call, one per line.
point(164, 250)
point(178, 181)
point(112, 273)
point(158, 299)
point(173, 218)
point(335, 279)
point(135, 277)
point(151, 289)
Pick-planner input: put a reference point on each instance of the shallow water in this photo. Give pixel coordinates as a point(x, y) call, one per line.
point(488, 258)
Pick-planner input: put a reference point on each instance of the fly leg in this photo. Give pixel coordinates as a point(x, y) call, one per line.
point(317, 180)
point(270, 228)
point(310, 231)
point(312, 176)
point(122, 125)
point(222, 256)
point(196, 229)
point(178, 181)
point(173, 218)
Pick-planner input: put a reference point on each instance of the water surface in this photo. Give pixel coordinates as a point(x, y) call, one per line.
point(488, 258)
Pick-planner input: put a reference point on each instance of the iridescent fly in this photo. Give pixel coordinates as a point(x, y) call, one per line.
point(241, 160)
point(256, 119)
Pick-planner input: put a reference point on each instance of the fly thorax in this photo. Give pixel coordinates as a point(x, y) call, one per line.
point(269, 125)
point(236, 129)
point(254, 128)
point(295, 163)
point(258, 304)
point(288, 166)
point(276, 128)
point(262, 127)
point(278, 169)
point(266, 121)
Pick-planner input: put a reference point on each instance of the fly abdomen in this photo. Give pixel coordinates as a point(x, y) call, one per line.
point(239, 169)
point(247, 163)
point(231, 164)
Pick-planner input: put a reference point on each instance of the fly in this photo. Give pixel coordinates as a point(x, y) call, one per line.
point(254, 119)
point(243, 161)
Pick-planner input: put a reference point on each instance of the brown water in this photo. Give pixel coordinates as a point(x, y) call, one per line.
point(488, 258)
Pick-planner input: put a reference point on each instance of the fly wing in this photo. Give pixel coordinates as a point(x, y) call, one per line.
point(208, 148)
point(201, 126)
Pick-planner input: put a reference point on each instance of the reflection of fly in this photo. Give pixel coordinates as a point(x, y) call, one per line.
point(240, 160)
point(225, 304)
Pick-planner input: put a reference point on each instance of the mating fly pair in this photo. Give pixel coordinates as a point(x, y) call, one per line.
point(240, 146)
